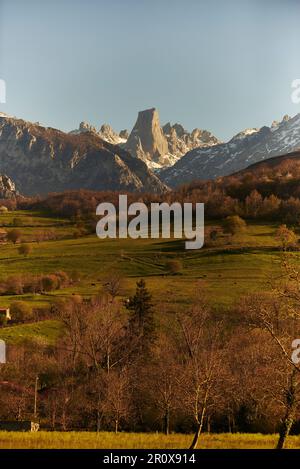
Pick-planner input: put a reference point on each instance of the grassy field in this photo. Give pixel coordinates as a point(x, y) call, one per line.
point(106, 440)
point(43, 332)
point(226, 270)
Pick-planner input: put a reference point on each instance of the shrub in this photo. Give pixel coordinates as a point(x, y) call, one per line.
point(13, 285)
point(286, 237)
point(62, 278)
point(20, 311)
point(32, 284)
point(234, 224)
point(213, 235)
point(49, 283)
point(14, 235)
point(25, 249)
point(173, 266)
point(113, 283)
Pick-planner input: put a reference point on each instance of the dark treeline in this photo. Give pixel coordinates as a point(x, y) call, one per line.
point(251, 195)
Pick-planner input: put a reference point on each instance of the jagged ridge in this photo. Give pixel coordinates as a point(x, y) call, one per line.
point(42, 159)
point(244, 149)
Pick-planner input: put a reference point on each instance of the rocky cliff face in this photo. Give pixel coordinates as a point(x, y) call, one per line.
point(162, 147)
point(42, 160)
point(244, 149)
point(7, 187)
point(106, 132)
point(180, 141)
point(146, 140)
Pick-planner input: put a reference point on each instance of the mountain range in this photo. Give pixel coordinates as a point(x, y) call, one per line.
point(244, 149)
point(159, 147)
point(150, 158)
point(42, 159)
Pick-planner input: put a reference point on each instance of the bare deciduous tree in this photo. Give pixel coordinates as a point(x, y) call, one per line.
point(202, 349)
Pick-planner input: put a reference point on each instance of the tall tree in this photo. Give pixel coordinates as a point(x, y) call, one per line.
point(141, 320)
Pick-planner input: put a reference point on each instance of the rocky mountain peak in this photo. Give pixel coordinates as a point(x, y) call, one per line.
point(275, 124)
point(180, 141)
point(179, 130)
point(108, 134)
point(245, 133)
point(84, 127)
point(157, 146)
point(163, 147)
point(286, 118)
point(146, 139)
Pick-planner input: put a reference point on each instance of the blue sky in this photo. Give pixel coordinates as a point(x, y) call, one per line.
point(215, 64)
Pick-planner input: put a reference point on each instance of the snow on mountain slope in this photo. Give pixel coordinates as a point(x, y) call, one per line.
point(161, 147)
point(243, 149)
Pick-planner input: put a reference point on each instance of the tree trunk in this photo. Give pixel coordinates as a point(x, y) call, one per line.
point(64, 420)
point(196, 437)
point(229, 424)
point(167, 422)
point(99, 420)
point(116, 425)
point(289, 417)
point(200, 422)
point(199, 430)
point(284, 432)
point(208, 424)
point(53, 419)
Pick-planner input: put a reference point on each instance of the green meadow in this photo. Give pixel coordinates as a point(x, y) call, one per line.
point(224, 270)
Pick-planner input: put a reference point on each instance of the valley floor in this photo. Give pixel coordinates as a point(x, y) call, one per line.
point(227, 269)
point(108, 440)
